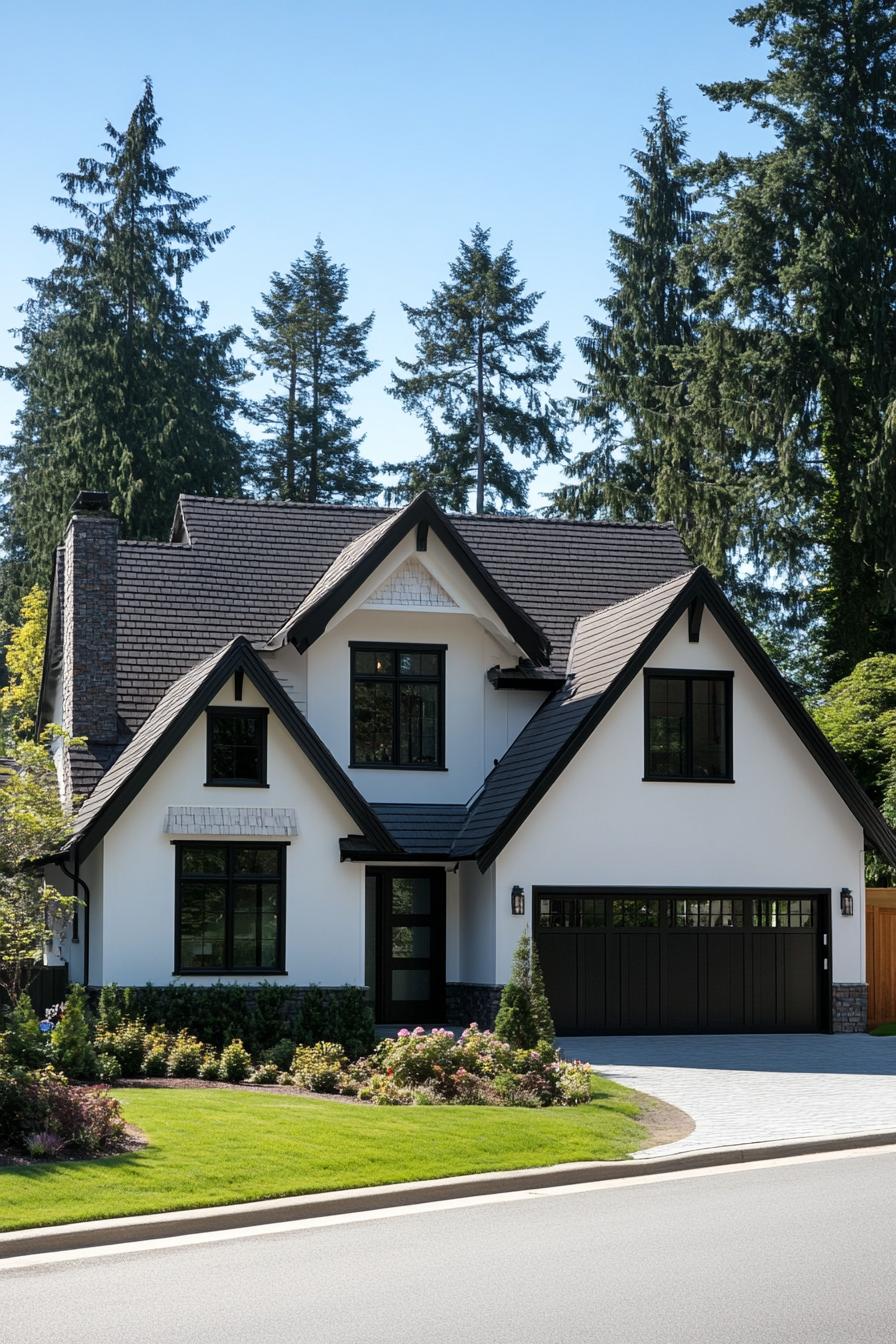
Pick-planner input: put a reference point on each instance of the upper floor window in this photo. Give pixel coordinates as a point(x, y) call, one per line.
point(237, 747)
point(688, 728)
point(398, 706)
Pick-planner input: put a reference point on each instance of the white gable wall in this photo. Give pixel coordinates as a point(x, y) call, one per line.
point(324, 898)
point(480, 722)
point(780, 824)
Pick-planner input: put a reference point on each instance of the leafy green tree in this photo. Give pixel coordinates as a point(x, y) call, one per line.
point(858, 716)
point(33, 824)
point(800, 363)
point(524, 1016)
point(123, 386)
point(315, 355)
point(24, 664)
point(479, 385)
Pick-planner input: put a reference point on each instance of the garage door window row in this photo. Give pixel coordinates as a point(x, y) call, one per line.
point(600, 912)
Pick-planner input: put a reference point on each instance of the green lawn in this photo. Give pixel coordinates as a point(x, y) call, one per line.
point(885, 1029)
point(209, 1146)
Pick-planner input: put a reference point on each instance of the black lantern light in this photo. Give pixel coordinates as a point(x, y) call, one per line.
point(517, 901)
point(845, 901)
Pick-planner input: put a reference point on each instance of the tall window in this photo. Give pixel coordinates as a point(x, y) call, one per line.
point(688, 732)
point(229, 909)
point(398, 706)
point(237, 747)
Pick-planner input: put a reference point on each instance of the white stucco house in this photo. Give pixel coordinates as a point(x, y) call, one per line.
point(359, 746)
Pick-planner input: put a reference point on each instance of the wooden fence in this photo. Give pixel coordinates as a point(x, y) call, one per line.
point(48, 987)
point(880, 951)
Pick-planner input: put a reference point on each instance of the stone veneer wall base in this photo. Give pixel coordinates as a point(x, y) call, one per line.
point(465, 1003)
point(849, 1005)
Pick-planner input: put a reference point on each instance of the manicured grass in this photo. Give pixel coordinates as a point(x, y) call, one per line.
point(209, 1146)
point(885, 1029)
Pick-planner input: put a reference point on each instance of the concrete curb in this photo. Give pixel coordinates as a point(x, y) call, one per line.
point(151, 1227)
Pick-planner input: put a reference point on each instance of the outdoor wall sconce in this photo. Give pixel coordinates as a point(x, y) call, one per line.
point(517, 901)
point(845, 901)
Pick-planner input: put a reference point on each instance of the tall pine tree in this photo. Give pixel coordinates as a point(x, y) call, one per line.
point(801, 254)
point(642, 465)
point(123, 387)
point(479, 385)
point(315, 355)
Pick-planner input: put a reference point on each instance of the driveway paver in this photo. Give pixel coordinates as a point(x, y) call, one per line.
point(755, 1089)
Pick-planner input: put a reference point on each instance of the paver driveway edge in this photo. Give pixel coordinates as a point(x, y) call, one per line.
point(189, 1222)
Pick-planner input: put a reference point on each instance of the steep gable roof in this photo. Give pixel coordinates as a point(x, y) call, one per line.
point(362, 556)
point(610, 647)
point(177, 711)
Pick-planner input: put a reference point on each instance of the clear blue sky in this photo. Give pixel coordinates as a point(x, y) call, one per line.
point(389, 128)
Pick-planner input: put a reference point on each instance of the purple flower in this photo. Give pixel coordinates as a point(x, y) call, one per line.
point(404, 1032)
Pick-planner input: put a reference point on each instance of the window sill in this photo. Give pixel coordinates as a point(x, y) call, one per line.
point(684, 779)
point(219, 972)
point(235, 784)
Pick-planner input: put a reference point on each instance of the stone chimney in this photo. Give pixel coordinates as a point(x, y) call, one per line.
point(89, 700)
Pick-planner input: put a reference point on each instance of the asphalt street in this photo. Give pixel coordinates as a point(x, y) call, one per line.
point(796, 1251)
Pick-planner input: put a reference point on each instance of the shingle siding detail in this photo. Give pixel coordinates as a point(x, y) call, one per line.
point(411, 587)
point(255, 821)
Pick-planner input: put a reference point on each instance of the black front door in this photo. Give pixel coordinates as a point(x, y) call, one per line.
point(410, 944)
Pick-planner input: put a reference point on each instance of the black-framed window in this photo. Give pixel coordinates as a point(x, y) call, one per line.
point(398, 706)
point(229, 908)
point(237, 747)
point(688, 726)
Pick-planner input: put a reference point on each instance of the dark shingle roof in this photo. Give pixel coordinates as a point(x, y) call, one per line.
point(603, 645)
point(242, 566)
point(422, 828)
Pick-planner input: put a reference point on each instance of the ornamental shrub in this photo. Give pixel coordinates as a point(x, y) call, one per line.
point(108, 1016)
point(156, 1048)
point(22, 1042)
point(264, 1074)
point(185, 1056)
point(126, 1043)
point(85, 1118)
point(210, 1068)
point(320, 1067)
point(353, 1025)
point(70, 1045)
point(281, 1054)
point(524, 1016)
point(107, 1068)
point(236, 1063)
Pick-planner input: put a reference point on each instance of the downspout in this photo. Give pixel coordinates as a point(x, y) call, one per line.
point(78, 881)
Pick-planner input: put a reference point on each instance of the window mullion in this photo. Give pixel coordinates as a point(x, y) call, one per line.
point(689, 726)
point(396, 710)
point(228, 909)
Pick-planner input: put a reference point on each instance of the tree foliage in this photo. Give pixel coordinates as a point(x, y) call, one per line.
point(33, 824)
point(479, 385)
point(123, 386)
point(800, 359)
point(305, 341)
point(24, 658)
point(858, 716)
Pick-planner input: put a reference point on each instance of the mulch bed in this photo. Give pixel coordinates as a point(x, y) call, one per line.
point(134, 1140)
point(287, 1089)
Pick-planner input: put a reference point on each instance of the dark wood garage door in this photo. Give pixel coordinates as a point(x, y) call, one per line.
point(623, 960)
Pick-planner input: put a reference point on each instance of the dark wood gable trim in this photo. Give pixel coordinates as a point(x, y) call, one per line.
point(695, 616)
point(240, 655)
point(702, 586)
point(424, 511)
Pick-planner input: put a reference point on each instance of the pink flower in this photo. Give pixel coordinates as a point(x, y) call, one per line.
point(404, 1032)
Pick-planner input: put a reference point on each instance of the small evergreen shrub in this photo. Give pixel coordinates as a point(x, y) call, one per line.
point(524, 1016)
point(156, 1048)
point(126, 1043)
point(236, 1063)
point(264, 1074)
point(185, 1056)
point(319, 1067)
point(71, 1048)
point(107, 1068)
point(281, 1054)
point(109, 1015)
point(23, 1042)
point(210, 1067)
